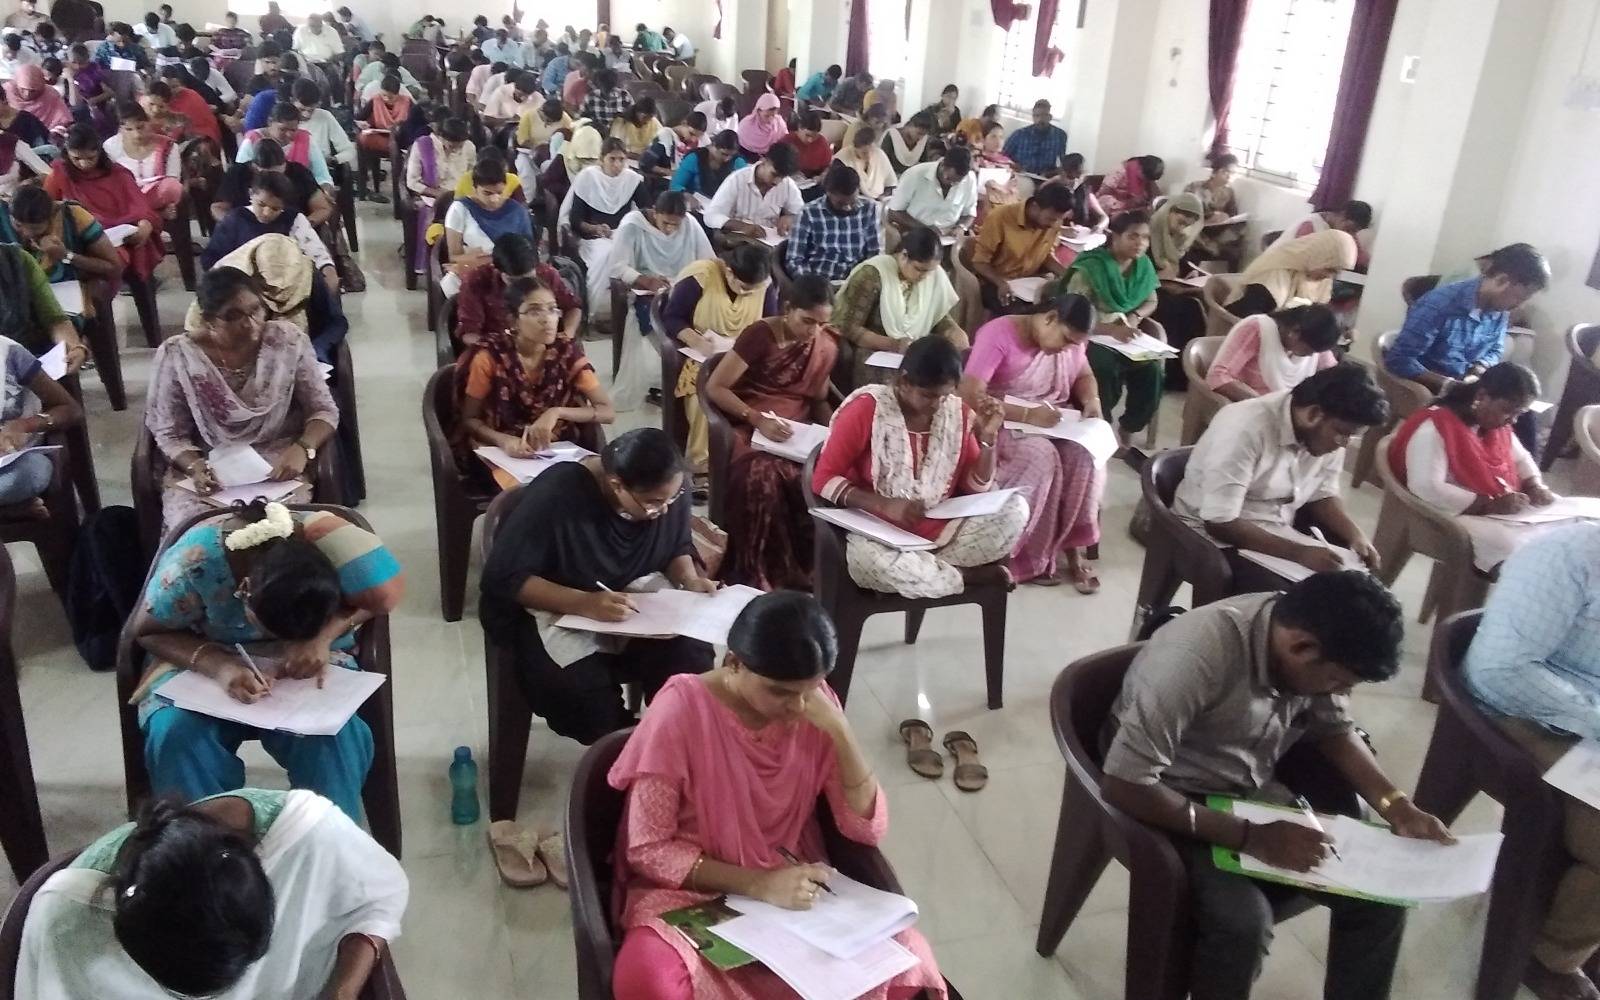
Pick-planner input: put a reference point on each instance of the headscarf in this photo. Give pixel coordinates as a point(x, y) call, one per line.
point(757, 135)
point(1279, 369)
point(1282, 269)
point(584, 145)
point(654, 252)
point(603, 193)
point(283, 276)
point(240, 228)
point(1165, 249)
point(1115, 291)
point(48, 106)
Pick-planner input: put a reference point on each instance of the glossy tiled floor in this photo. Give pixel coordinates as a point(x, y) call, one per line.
point(976, 863)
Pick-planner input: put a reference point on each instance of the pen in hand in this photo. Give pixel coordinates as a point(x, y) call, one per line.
point(248, 662)
point(784, 853)
point(1310, 814)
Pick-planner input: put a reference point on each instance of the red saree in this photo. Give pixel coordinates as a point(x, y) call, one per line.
point(112, 196)
point(769, 536)
point(1483, 462)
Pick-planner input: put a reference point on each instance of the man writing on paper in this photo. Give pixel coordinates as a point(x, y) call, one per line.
point(1249, 697)
point(1270, 463)
point(1019, 241)
point(1535, 667)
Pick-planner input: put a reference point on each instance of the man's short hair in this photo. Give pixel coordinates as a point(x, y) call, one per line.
point(1344, 392)
point(1520, 263)
point(841, 179)
point(1354, 618)
point(1358, 212)
point(785, 161)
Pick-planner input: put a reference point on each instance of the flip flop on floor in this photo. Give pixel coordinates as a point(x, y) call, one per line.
point(516, 855)
point(920, 755)
point(553, 852)
point(1086, 581)
point(970, 775)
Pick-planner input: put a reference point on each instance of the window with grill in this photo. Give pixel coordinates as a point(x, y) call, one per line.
point(1018, 88)
point(1285, 83)
point(887, 45)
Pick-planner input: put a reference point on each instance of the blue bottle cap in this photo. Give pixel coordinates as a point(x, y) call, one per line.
point(463, 753)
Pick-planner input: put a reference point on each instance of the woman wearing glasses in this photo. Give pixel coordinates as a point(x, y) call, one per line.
point(577, 540)
point(522, 388)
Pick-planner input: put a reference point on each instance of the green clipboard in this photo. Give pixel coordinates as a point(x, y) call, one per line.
point(695, 923)
point(1227, 860)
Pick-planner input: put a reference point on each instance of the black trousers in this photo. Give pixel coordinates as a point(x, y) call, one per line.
point(583, 700)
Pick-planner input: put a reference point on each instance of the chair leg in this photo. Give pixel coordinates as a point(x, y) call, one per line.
point(80, 463)
point(844, 665)
point(144, 300)
point(183, 249)
point(380, 797)
point(1079, 858)
point(914, 624)
point(1430, 597)
point(1365, 457)
point(510, 722)
point(994, 646)
point(1447, 782)
point(21, 826)
point(1158, 582)
point(455, 539)
point(1391, 540)
point(101, 332)
point(1524, 880)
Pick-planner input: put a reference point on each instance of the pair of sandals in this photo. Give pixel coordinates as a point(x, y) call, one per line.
point(970, 775)
point(526, 858)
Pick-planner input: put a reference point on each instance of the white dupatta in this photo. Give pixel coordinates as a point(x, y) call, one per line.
point(909, 315)
point(892, 462)
point(1279, 369)
point(329, 879)
point(600, 191)
point(907, 156)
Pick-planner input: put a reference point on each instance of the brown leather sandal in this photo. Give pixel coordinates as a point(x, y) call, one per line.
point(920, 755)
point(971, 776)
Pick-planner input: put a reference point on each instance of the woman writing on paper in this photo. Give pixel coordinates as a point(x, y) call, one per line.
point(777, 372)
point(896, 450)
point(1219, 203)
point(1038, 365)
point(576, 540)
point(155, 161)
point(1272, 352)
point(1174, 227)
point(594, 207)
point(1295, 273)
point(290, 587)
point(890, 300)
point(1461, 456)
point(722, 778)
point(1131, 186)
point(66, 241)
point(1119, 280)
point(521, 388)
point(235, 380)
point(87, 176)
point(473, 223)
point(31, 403)
point(248, 893)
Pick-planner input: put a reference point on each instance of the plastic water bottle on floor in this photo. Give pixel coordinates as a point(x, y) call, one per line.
point(464, 788)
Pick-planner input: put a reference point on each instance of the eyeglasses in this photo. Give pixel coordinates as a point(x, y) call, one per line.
point(655, 508)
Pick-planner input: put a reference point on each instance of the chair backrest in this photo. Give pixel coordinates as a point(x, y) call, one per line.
point(1586, 428)
point(1405, 396)
point(833, 130)
point(1214, 294)
point(756, 80)
point(673, 110)
point(717, 91)
point(719, 432)
point(1198, 354)
point(1583, 340)
point(1416, 286)
point(1080, 703)
point(439, 419)
point(594, 814)
point(806, 492)
point(1161, 475)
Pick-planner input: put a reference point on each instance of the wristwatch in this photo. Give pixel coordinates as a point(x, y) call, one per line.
point(311, 453)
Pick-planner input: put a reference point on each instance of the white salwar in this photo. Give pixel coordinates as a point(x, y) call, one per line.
point(638, 249)
point(609, 195)
point(329, 880)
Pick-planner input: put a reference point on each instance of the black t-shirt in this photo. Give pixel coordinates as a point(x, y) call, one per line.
point(235, 187)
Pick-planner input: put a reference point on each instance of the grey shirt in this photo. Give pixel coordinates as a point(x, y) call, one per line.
point(1198, 711)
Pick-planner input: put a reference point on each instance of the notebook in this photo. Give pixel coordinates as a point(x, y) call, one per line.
point(526, 470)
point(885, 359)
point(843, 923)
point(706, 617)
point(118, 235)
point(238, 465)
point(971, 505)
point(294, 706)
point(1142, 347)
point(809, 971)
point(806, 439)
point(1027, 289)
point(54, 361)
point(719, 345)
point(871, 526)
point(69, 296)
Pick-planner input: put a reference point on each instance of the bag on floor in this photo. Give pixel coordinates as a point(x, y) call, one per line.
point(104, 578)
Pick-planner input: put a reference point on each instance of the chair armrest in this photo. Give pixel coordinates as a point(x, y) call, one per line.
point(862, 862)
point(327, 484)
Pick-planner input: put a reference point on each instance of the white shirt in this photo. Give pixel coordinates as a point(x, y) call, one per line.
point(216, 81)
point(162, 37)
point(715, 124)
point(323, 47)
point(511, 52)
point(682, 47)
point(150, 170)
point(329, 136)
point(458, 220)
point(305, 235)
point(494, 83)
point(738, 199)
point(1249, 465)
point(919, 195)
point(1428, 471)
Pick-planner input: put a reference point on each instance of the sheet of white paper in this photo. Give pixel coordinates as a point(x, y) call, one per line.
point(528, 469)
point(238, 465)
point(294, 706)
point(1094, 434)
point(127, 65)
point(805, 183)
point(771, 237)
point(69, 296)
point(1353, 278)
point(326, 370)
point(1142, 347)
point(884, 359)
point(1293, 571)
point(948, 241)
point(1578, 772)
point(1564, 509)
point(811, 972)
point(228, 495)
point(1230, 220)
point(1198, 281)
point(1376, 862)
point(843, 923)
point(719, 345)
point(870, 526)
point(1027, 289)
point(54, 361)
point(805, 439)
point(1540, 406)
point(706, 617)
point(993, 175)
point(701, 202)
point(971, 505)
point(118, 235)
point(12, 456)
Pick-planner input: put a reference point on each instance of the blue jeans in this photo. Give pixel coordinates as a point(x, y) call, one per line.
point(194, 755)
point(26, 478)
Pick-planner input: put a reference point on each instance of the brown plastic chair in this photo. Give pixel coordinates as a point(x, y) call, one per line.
point(1177, 553)
point(1415, 287)
point(850, 606)
point(397, 170)
point(673, 419)
point(1407, 526)
point(594, 814)
point(100, 331)
point(21, 825)
point(677, 78)
point(346, 186)
point(1091, 832)
point(1405, 398)
point(80, 451)
point(1200, 401)
point(456, 502)
point(381, 795)
point(438, 260)
point(695, 83)
point(181, 241)
point(1586, 429)
point(382, 984)
point(719, 437)
point(968, 285)
point(1582, 389)
point(52, 535)
point(1218, 290)
point(1469, 754)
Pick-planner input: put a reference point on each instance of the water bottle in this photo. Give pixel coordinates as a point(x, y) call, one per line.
point(464, 788)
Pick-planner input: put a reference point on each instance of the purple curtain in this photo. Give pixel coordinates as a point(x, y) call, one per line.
point(1222, 55)
point(716, 32)
point(1007, 13)
point(1352, 110)
point(602, 12)
point(855, 46)
point(1046, 57)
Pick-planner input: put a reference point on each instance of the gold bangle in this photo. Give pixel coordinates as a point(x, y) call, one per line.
point(195, 655)
point(688, 880)
point(1393, 796)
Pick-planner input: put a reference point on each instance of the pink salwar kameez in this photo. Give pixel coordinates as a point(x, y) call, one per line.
point(698, 781)
point(1058, 478)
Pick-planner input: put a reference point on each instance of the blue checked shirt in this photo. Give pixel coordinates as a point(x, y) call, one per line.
point(1446, 333)
point(830, 244)
point(1037, 151)
point(1537, 652)
point(555, 74)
